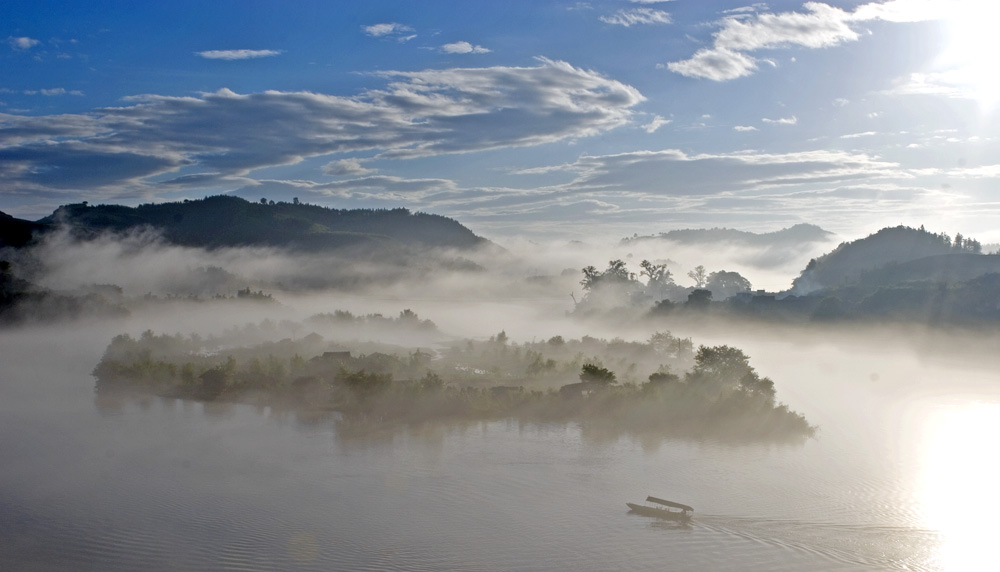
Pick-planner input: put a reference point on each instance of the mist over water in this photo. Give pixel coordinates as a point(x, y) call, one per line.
point(900, 475)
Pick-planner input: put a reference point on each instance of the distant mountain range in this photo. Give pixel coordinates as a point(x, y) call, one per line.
point(226, 221)
point(793, 236)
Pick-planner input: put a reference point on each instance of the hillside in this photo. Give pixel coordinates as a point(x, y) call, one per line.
point(223, 221)
point(17, 232)
point(847, 263)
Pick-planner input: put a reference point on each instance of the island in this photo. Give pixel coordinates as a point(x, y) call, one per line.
point(663, 385)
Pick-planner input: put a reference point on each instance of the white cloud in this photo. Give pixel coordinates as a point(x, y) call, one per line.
point(390, 30)
point(463, 48)
point(22, 43)
point(904, 11)
point(346, 167)
point(954, 83)
point(858, 135)
point(655, 124)
point(819, 26)
point(715, 64)
point(744, 128)
point(637, 16)
point(782, 120)
point(841, 102)
point(237, 54)
point(221, 135)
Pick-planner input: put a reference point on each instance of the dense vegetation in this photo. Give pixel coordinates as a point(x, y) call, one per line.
point(617, 287)
point(631, 386)
point(21, 301)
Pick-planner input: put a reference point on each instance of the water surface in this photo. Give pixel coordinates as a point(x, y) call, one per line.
point(900, 477)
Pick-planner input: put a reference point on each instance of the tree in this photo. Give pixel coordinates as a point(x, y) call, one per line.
point(699, 298)
point(663, 376)
point(591, 276)
point(656, 273)
point(725, 364)
point(618, 272)
point(728, 369)
point(724, 284)
point(699, 275)
point(591, 373)
point(658, 280)
point(613, 287)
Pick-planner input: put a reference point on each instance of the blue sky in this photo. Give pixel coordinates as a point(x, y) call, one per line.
point(539, 119)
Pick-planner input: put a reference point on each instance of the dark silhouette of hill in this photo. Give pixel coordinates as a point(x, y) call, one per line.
point(847, 263)
point(18, 232)
point(792, 236)
point(226, 221)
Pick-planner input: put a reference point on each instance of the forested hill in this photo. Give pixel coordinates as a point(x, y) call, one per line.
point(892, 255)
point(222, 221)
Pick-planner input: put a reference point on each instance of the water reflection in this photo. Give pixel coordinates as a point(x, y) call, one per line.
point(960, 486)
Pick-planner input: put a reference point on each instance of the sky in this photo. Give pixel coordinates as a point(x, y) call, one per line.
point(546, 120)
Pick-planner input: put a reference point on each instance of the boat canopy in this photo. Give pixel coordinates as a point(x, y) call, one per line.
point(670, 503)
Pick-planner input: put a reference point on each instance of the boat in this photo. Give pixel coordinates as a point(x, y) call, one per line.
point(683, 513)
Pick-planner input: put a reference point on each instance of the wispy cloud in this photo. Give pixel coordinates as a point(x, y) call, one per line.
point(819, 26)
point(394, 30)
point(655, 124)
point(463, 48)
point(237, 54)
point(744, 128)
point(221, 135)
point(22, 43)
point(46, 92)
point(637, 16)
point(60, 91)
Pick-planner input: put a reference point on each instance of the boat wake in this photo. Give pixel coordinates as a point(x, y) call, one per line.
point(869, 547)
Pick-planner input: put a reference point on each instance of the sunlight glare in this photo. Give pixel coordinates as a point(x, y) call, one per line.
point(969, 62)
point(960, 487)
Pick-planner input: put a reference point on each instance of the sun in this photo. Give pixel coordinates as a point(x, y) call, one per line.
point(960, 496)
point(969, 63)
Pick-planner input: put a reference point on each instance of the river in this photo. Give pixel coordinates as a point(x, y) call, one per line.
point(901, 476)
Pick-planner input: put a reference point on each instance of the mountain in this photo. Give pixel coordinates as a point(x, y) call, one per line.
point(794, 236)
point(226, 221)
point(893, 255)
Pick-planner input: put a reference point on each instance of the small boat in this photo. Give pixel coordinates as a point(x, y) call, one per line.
point(683, 514)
